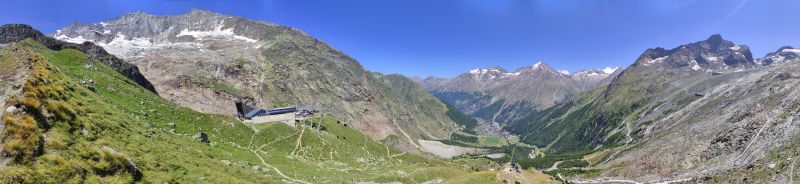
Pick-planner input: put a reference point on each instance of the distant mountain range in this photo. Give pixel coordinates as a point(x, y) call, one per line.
point(495, 94)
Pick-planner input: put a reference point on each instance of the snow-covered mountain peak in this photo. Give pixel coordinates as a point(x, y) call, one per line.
point(610, 70)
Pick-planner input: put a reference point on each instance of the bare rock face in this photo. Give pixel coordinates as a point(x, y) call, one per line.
point(495, 94)
point(206, 61)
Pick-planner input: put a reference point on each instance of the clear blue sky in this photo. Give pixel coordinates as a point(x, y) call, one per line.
point(447, 37)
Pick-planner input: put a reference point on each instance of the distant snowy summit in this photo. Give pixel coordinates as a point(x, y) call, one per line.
point(539, 68)
point(499, 95)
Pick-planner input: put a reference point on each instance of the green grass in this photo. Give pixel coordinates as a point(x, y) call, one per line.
point(492, 140)
point(155, 134)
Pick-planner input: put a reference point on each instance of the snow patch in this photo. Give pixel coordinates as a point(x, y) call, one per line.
point(657, 60)
point(713, 58)
point(538, 64)
point(797, 51)
point(218, 32)
point(735, 48)
point(126, 48)
point(695, 66)
point(78, 40)
point(565, 72)
point(478, 71)
point(511, 74)
point(609, 70)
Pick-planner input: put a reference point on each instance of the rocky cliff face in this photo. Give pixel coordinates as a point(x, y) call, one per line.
point(205, 61)
point(495, 94)
point(18, 32)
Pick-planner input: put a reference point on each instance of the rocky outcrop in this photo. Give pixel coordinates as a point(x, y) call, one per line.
point(201, 137)
point(18, 32)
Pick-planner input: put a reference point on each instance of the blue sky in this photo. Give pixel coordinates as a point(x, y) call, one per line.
point(448, 37)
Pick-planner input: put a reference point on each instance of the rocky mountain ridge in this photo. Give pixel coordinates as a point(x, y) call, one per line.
point(205, 61)
point(782, 55)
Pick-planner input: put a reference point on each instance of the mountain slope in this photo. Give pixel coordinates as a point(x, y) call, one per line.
point(685, 113)
point(495, 94)
point(91, 124)
point(18, 32)
point(205, 61)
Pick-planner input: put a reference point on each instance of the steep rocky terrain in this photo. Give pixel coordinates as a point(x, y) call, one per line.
point(495, 94)
point(205, 61)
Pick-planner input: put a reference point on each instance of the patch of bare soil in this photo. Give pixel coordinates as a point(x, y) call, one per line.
point(445, 151)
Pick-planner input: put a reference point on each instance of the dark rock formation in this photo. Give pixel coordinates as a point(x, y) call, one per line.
point(202, 137)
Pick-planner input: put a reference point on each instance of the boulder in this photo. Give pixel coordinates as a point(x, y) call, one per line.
point(202, 137)
point(257, 169)
point(11, 109)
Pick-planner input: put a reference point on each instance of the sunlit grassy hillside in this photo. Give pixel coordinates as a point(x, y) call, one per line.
point(83, 122)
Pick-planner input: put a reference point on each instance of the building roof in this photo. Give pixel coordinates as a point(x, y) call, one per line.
point(260, 112)
point(253, 112)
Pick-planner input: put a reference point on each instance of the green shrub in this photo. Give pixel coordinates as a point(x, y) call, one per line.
point(573, 163)
point(464, 138)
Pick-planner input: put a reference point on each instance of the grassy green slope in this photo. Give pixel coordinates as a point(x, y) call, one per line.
point(433, 114)
point(82, 136)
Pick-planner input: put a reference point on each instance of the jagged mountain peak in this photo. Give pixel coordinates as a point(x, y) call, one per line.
point(497, 72)
point(537, 69)
point(715, 40)
point(785, 48)
point(540, 65)
point(782, 55)
point(497, 68)
point(714, 53)
point(16, 32)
